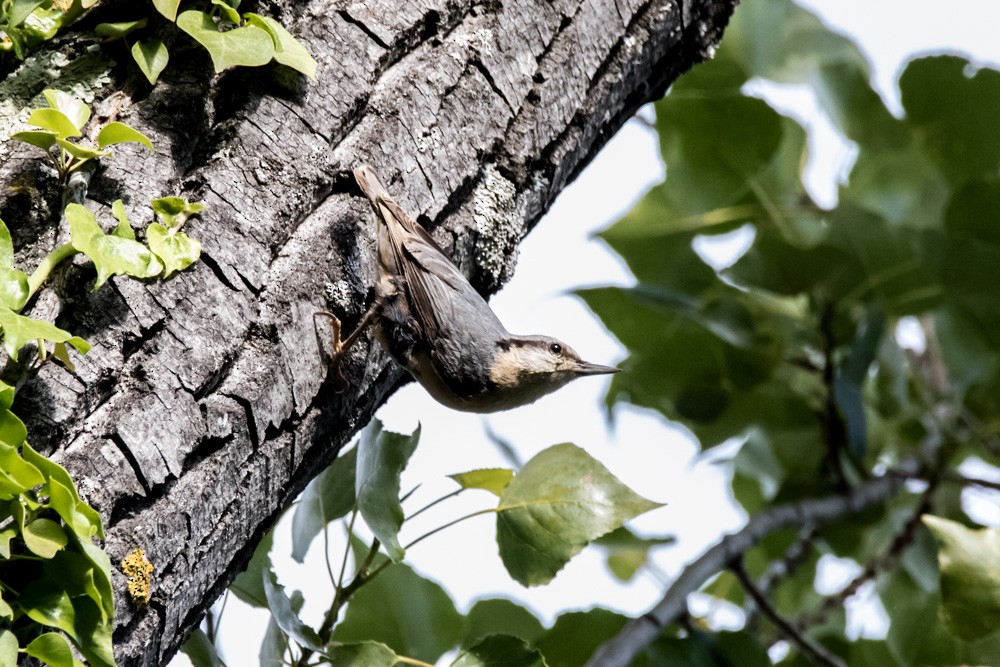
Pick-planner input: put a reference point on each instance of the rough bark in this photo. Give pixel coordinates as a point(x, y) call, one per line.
point(203, 408)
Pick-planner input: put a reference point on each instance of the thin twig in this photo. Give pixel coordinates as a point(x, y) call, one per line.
point(638, 633)
point(809, 648)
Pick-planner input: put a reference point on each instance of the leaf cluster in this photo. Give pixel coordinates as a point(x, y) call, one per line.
point(561, 500)
point(24, 24)
point(55, 584)
point(64, 119)
point(788, 348)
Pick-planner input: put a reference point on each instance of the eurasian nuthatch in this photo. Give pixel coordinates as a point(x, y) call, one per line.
point(435, 324)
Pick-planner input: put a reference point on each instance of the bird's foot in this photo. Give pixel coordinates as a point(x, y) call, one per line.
point(337, 349)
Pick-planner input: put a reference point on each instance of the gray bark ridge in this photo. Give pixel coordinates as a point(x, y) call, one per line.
point(204, 407)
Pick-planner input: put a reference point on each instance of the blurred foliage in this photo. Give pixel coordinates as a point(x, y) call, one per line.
point(790, 351)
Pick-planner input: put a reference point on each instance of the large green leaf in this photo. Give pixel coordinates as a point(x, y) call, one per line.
point(175, 249)
point(498, 615)
point(54, 120)
point(327, 498)
point(382, 456)
point(52, 471)
point(112, 255)
point(200, 651)
point(953, 112)
point(408, 613)
point(151, 56)
point(8, 647)
point(167, 7)
point(71, 107)
point(576, 635)
point(287, 50)
point(249, 584)
point(44, 537)
point(120, 133)
point(248, 46)
point(19, 330)
point(362, 654)
point(51, 648)
point(970, 577)
point(562, 499)
point(286, 617)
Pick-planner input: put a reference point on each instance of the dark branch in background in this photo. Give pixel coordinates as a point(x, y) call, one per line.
point(784, 567)
point(809, 648)
point(623, 647)
point(834, 429)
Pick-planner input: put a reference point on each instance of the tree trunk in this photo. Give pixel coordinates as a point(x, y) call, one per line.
point(203, 408)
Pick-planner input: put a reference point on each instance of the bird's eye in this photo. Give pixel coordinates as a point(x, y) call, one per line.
point(555, 348)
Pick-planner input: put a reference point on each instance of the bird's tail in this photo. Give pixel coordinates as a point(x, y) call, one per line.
point(370, 185)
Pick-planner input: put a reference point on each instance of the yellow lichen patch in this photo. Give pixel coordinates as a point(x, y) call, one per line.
point(139, 571)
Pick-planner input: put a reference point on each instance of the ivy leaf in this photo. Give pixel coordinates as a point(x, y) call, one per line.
point(17, 469)
point(120, 133)
point(500, 651)
point(248, 46)
point(562, 499)
point(151, 56)
point(52, 471)
point(80, 152)
point(287, 50)
point(327, 498)
point(970, 577)
point(75, 110)
point(14, 288)
point(18, 330)
point(173, 212)
point(44, 537)
point(382, 456)
point(168, 8)
point(231, 14)
point(493, 480)
point(112, 31)
point(362, 654)
point(54, 121)
point(6, 247)
point(51, 648)
point(41, 138)
point(20, 10)
point(8, 648)
point(176, 249)
point(124, 228)
point(111, 255)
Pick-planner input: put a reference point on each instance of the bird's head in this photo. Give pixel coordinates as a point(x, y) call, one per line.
point(528, 367)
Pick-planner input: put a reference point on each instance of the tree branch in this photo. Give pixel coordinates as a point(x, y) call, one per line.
point(623, 647)
point(808, 647)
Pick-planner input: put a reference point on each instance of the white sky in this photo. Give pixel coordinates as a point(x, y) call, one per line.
point(653, 457)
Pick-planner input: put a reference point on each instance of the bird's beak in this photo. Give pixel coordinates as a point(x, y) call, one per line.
point(587, 368)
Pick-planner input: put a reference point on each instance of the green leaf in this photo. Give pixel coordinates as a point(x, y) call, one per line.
point(8, 648)
point(111, 255)
point(49, 604)
point(287, 50)
point(970, 577)
point(19, 470)
point(500, 651)
point(44, 537)
point(176, 249)
point(576, 635)
point(285, 615)
point(168, 8)
point(18, 330)
point(500, 616)
point(362, 654)
point(118, 30)
point(53, 471)
point(75, 110)
point(249, 46)
point(382, 456)
point(173, 212)
point(410, 614)
point(249, 584)
point(54, 121)
point(40, 138)
point(52, 648)
point(230, 14)
point(80, 152)
point(14, 288)
point(6, 247)
point(562, 499)
point(200, 650)
point(120, 133)
point(151, 56)
point(63, 501)
point(327, 498)
point(951, 110)
point(21, 9)
point(124, 228)
point(274, 645)
point(493, 480)
point(627, 552)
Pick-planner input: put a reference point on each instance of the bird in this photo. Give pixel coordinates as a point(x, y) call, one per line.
point(433, 323)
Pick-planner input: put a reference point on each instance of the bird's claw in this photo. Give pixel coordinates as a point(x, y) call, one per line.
point(337, 350)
